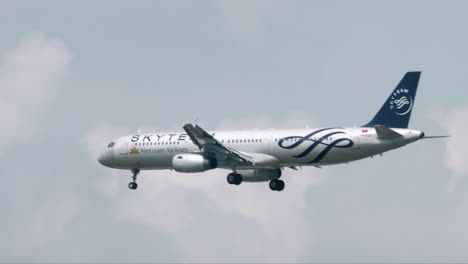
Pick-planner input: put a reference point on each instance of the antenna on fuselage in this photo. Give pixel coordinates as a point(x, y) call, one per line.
point(139, 131)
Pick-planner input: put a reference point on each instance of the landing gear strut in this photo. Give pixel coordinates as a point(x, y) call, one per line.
point(133, 185)
point(234, 178)
point(276, 185)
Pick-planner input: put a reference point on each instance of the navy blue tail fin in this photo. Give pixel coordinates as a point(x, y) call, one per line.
point(396, 111)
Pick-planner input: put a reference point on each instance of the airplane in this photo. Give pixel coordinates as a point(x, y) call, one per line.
point(262, 155)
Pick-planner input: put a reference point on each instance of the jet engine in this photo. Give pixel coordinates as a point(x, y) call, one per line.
point(193, 163)
point(259, 175)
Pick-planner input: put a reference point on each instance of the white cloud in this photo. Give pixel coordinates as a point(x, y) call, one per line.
point(211, 220)
point(29, 77)
point(457, 146)
point(248, 20)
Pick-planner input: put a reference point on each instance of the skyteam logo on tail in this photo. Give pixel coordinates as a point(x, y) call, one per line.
point(401, 102)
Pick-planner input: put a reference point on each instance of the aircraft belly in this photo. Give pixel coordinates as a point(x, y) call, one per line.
point(156, 160)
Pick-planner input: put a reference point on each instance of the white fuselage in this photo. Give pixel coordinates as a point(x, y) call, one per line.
point(270, 148)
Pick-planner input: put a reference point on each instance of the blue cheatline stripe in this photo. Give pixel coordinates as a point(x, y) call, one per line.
point(307, 138)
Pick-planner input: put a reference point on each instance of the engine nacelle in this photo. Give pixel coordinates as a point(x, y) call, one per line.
point(259, 175)
point(192, 163)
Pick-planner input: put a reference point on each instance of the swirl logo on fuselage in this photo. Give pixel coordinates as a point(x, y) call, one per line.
point(315, 140)
point(401, 102)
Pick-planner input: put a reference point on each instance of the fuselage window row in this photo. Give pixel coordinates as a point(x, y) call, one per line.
point(189, 141)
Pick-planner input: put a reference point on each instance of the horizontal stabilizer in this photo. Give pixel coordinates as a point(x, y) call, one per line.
point(384, 132)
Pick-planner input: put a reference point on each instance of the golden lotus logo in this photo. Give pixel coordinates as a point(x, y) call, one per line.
point(134, 150)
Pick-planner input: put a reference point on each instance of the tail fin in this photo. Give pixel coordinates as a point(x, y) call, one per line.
point(396, 111)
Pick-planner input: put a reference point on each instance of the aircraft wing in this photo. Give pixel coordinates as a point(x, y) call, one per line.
point(212, 147)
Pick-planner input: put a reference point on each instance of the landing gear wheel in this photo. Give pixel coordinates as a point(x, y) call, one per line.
point(231, 178)
point(239, 179)
point(133, 185)
point(276, 185)
point(280, 186)
point(273, 185)
point(234, 178)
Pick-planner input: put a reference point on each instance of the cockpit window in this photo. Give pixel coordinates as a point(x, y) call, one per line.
point(110, 145)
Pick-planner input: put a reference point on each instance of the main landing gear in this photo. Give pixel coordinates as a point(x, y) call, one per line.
point(276, 185)
point(133, 185)
point(234, 178)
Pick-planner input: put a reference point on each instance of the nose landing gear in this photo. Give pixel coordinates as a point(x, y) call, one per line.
point(133, 185)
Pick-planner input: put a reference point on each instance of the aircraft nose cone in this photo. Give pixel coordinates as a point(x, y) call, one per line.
point(105, 158)
point(101, 159)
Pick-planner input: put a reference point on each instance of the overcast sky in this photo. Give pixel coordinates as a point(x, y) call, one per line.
point(76, 74)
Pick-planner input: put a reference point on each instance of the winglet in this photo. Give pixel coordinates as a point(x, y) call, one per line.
point(384, 132)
